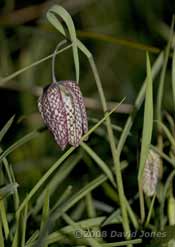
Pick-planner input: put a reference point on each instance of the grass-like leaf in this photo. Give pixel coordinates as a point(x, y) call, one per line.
point(166, 132)
point(4, 218)
point(104, 167)
point(138, 102)
point(88, 223)
point(45, 216)
point(8, 190)
point(32, 239)
point(6, 128)
point(148, 120)
point(163, 155)
point(123, 243)
point(163, 73)
point(59, 162)
point(24, 226)
point(18, 72)
point(1, 236)
point(57, 179)
point(173, 76)
point(52, 15)
point(79, 195)
point(62, 198)
point(164, 195)
point(146, 133)
point(90, 240)
point(19, 143)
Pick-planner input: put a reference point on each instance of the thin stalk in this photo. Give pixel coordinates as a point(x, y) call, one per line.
point(113, 148)
point(8, 78)
point(90, 240)
point(150, 211)
point(163, 73)
point(53, 59)
point(161, 87)
point(139, 100)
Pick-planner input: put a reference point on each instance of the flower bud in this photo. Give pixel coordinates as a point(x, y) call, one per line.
point(152, 173)
point(63, 110)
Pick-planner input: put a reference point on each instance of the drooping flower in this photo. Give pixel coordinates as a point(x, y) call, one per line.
point(152, 173)
point(63, 110)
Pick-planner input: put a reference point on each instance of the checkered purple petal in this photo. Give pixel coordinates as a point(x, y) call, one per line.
point(52, 110)
point(74, 118)
point(63, 111)
point(78, 98)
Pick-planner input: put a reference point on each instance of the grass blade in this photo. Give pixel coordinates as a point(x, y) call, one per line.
point(1, 236)
point(18, 72)
point(146, 133)
point(8, 190)
point(163, 72)
point(4, 218)
point(148, 121)
point(162, 205)
point(19, 143)
point(60, 235)
point(24, 226)
point(167, 133)
point(123, 243)
point(56, 180)
point(173, 76)
point(90, 240)
point(99, 162)
point(61, 12)
point(150, 210)
point(6, 128)
point(45, 216)
point(79, 195)
point(67, 193)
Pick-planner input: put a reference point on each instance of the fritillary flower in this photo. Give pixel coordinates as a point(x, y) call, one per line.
point(63, 110)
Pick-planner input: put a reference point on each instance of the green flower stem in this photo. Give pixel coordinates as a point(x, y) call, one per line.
point(113, 148)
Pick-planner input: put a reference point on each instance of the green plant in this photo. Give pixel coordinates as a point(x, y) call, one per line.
point(37, 204)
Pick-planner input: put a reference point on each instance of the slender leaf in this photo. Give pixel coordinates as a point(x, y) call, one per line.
point(148, 121)
point(62, 198)
point(8, 78)
point(56, 180)
point(164, 195)
point(163, 73)
point(167, 133)
point(90, 240)
point(61, 12)
point(19, 143)
point(1, 236)
point(78, 196)
point(99, 162)
point(173, 76)
point(89, 223)
point(4, 218)
point(24, 226)
point(8, 190)
point(146, 133)
point(6, 128)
